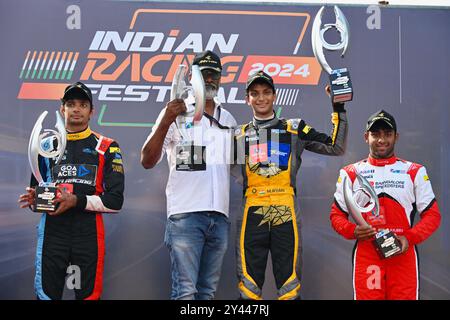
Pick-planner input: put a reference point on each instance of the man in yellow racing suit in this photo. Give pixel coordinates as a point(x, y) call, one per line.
point(269, 151)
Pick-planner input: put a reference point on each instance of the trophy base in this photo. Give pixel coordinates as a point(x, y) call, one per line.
point(387, 244)
point(341, 86)
point(45, 194)
point(190, 157)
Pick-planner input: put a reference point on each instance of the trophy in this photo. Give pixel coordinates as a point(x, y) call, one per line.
point(188, 156)
point(340, 83)
point(42, 144)
point(385, 241)
point(180, 90)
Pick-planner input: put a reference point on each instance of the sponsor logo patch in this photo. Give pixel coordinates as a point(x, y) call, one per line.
point(306, 129)
point(114, 150)
point(117, 168)
point(75, 173)
point(279, 153)
point(90, 151)
point(398, 171)
point(258, 153)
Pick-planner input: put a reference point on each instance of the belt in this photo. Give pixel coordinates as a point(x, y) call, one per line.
point(267, 191)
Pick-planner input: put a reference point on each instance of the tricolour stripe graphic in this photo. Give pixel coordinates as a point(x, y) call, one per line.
point(31, 64)
point(55, 63)
point(72, 67)
point(25, 64)
point(66, 66)
point(61, 63)
point(36, 65)
point(49, 64)
point(42, 64)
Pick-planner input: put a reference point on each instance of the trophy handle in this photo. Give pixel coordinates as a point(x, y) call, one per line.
point(178, 83)
point(61, 136)
point(367, 187)
point(34, 146)
point(344, 29)
point(316, 41)
point(353, 207)
point(198, 86)
point(179, 91)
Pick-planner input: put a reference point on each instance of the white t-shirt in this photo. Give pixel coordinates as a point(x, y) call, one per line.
point(203, 190)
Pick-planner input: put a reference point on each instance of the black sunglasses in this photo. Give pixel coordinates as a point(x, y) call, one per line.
point(211, 73)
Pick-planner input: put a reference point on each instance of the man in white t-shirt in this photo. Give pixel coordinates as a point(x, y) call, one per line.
point(197, 190)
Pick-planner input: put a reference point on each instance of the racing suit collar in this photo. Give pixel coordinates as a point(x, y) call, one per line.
point(381, 162)
point(79, 135)
point(261, 124)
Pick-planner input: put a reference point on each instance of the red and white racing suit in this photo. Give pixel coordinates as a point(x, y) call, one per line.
point(403, 188)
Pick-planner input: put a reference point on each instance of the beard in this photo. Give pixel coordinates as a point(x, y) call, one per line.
point(210, 92)
point(387, 153)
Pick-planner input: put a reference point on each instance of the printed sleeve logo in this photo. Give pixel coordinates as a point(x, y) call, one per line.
point(90, 151)
point(114, 150)
point(306, 129)
point(117, 158)
point(295, 123)
point(398, 171)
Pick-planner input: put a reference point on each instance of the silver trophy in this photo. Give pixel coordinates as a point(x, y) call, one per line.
point(189, 157)
point(341, 85)
point(43, 144)
point(180, 90)
point(385, 241)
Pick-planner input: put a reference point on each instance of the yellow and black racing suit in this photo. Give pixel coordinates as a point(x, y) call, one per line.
point(269, 153)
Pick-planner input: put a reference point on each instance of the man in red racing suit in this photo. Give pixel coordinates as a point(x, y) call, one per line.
point(403, 189)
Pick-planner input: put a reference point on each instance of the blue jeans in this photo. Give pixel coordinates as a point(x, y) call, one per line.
point(197, 242)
